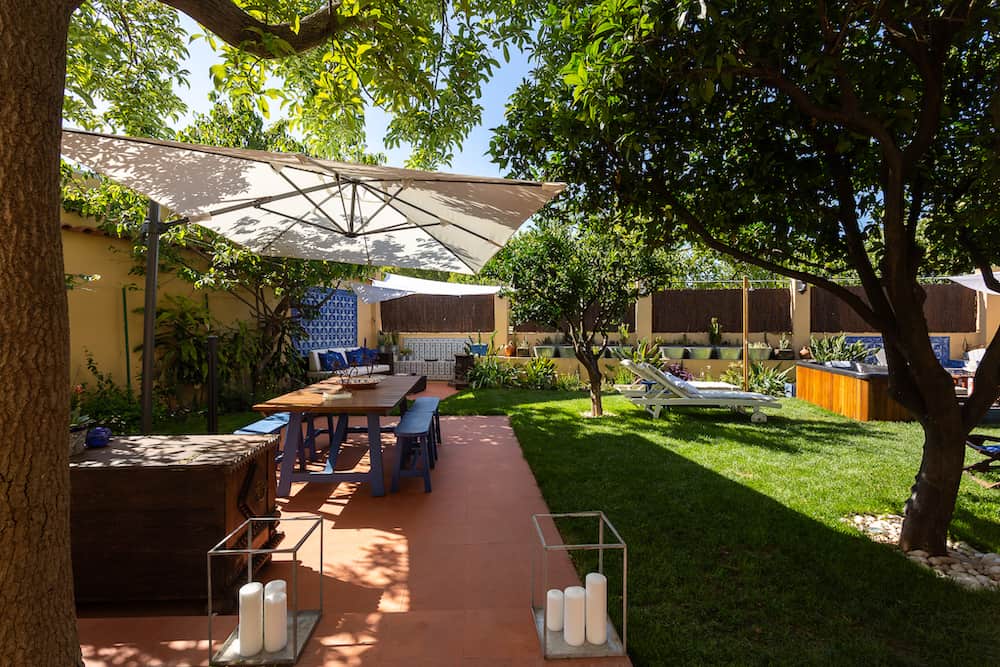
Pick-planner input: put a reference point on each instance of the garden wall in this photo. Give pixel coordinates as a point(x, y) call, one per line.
point(100, 311)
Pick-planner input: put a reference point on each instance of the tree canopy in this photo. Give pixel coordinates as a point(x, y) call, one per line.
point(321, 64)
point(578, 273)
point(811, 140)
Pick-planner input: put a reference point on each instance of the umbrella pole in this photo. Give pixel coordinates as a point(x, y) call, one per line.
point(149, 314)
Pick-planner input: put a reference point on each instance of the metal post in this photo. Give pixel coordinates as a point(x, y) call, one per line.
point(213, 384)
point(746, 333)
point(149, 314)
point(128, 352)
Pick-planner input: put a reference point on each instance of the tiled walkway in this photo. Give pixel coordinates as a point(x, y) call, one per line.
point(408, 579)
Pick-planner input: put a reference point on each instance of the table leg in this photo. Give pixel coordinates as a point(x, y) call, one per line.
point(375, 453)
point(289, 452)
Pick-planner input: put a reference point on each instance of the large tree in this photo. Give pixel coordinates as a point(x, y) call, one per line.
point(812, 139)
point(424, 61)
point(578, 274)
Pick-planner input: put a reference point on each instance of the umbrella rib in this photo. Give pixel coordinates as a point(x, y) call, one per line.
point(294, 219)
point(381, 208)
point(309, 199)
point(255, 203)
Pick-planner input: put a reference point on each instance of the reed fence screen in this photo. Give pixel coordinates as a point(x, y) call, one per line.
point(429, 313)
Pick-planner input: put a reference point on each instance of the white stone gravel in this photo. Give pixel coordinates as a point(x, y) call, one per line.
point(963, 564)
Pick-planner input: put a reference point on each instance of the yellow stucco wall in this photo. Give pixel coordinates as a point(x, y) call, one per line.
point(96, 317)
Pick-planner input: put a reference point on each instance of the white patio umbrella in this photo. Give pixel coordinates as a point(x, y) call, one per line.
point(291, 205)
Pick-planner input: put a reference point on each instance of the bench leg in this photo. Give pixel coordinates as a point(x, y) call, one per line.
point(425, 454)
point(293, 439)
point(402, 445)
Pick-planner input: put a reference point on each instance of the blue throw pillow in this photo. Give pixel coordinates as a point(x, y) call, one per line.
point(356, 357)
point(326, 361)
point(371, 355)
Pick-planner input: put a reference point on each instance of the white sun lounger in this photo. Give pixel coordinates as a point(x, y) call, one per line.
point(668, 391)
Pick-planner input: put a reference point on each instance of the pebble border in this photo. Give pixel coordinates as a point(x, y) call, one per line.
point(963, 564)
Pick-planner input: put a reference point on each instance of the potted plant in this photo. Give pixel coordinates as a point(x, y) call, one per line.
point(78, 423)
point(759, 351)
point(523, 349)
point(714, 338)
point(784, 349)
point(510, 349)
point(479, 348)
point(545, 348)
point(566, 350)
point(674, 349)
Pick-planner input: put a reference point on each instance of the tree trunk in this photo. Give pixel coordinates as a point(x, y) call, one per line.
point(932, 497)
point(37, 619)
point(589, 362)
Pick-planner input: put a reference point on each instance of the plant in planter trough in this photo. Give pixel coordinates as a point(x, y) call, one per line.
point(784, 349)
point(759, 351)
point(674, 349)
point(566, 351)
point(545, 348)
point(729, 351)
point(624, 349)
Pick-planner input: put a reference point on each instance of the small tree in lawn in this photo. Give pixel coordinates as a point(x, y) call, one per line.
point(579, 275)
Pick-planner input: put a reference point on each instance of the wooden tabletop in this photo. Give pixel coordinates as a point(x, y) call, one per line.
point(382, 399)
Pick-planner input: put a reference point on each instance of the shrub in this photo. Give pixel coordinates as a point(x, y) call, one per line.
point(109, 405)
point(539, 373)
point(491, 373)
point(677, 370)
point(762, 379)
point(836, 348)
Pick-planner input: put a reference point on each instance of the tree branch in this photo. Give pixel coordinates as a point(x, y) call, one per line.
point(695, 224)
point(238, 28)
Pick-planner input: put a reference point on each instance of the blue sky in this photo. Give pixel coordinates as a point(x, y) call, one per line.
point(472, 158)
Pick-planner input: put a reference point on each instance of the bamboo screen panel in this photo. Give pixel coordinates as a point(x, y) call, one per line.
point(950, 308)
point(428, 313)
point(691, 310)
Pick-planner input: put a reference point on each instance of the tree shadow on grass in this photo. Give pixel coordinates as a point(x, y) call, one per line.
point(720, 573)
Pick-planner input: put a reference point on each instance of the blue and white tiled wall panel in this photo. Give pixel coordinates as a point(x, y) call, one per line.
point(941, 345)
point(337, 322)
point(438, 349)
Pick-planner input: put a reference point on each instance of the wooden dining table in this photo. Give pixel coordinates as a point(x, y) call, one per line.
point(373, 403)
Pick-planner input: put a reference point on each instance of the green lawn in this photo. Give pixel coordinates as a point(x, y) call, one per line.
point(737, 551)
point(198, 423)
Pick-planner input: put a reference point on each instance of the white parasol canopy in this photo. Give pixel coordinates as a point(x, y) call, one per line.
point(975, 282)
point(291, 205)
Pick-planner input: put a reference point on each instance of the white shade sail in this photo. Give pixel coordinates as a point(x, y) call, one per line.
point(395, 286)
point(291, 205)
point(975, 282)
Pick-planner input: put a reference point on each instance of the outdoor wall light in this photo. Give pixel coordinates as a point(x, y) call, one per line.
point(801, 286)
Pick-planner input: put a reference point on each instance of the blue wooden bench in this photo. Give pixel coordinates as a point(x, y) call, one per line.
point(414, 434)
point(430, 404)
point(267, 426)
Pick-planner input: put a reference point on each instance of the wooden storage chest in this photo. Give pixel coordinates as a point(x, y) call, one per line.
point(146, 510)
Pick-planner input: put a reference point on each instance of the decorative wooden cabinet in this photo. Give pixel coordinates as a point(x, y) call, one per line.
point(146, 510)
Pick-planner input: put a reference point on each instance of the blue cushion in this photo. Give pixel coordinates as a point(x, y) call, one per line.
point(331, 361)
point(371, 355)
point(356, 357)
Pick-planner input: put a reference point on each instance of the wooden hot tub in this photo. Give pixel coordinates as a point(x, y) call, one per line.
point(860, 391)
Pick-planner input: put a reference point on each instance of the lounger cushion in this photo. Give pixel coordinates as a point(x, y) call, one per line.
point(685, 386)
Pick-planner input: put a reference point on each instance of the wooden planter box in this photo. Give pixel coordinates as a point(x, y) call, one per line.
point(858, 394)
point(146, 510)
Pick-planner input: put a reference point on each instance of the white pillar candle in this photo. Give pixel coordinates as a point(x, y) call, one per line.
point(251, 628)
point(574, 615)
point(554, 610)
point(275, 621)
point(275, 586)
point(597, 608)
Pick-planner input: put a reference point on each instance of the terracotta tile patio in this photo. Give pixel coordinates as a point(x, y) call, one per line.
point(411, 578)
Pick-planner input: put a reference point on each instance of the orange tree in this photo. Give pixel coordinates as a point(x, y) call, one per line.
point(809, 139)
